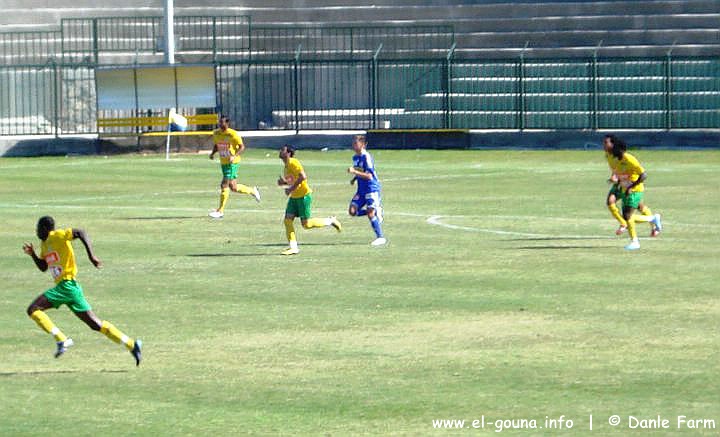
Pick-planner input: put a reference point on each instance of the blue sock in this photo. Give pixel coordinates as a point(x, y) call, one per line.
point(376, 226)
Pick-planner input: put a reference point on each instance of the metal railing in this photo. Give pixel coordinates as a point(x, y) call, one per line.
point(359, 86)
point(657, 93)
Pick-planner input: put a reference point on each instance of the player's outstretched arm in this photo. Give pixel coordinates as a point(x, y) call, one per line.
point(360, 174)
point(639, 180)
point(82, 236)
point(301, 177)
point(39, 262)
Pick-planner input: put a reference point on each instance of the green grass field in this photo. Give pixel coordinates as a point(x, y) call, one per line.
point(503, 292)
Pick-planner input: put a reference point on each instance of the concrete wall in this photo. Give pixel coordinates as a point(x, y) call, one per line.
point(41, 146)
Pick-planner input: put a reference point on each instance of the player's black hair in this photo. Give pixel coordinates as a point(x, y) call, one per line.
point(224, 117)
point(290, 149)
point(619, 146)
point(46, 222)
point(613, 139)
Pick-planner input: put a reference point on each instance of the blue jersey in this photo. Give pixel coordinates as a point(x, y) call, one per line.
point(365, 164)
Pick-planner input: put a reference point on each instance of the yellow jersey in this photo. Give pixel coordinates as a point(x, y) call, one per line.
point(58, 253)
point(228, 145)
point(293, 168)
point(628, 171)
point(612, 162)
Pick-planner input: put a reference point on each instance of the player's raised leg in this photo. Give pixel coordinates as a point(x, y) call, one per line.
point(112, 332)
point(36, 311)
point(244, 189)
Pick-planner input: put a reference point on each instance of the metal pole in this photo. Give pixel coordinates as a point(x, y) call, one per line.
point(56, 91)
point(595, 89)
point(448, 87)
point(521, 89)
point(95, 38)
point(214, 39)
point(297, 89)
point(375, 86)
point(169, 32)
point(668, 88)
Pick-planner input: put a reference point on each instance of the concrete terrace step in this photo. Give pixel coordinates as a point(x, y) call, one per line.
point(552, 38)
point(621, 51)
point(560, 22)
point(370, 13)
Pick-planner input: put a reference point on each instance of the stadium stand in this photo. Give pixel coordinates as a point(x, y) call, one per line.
point(483, 28)
point(308, 64)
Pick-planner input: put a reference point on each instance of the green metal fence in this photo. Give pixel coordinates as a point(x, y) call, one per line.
point(18, 48)
point(372, 93)
point(210, 36)
point(51, 99)
point(676, 93)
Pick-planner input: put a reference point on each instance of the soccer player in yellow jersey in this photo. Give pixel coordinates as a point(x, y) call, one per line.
point(228, 144)
point(300, 201)
point(631, 176)
point(615, 193)
point(57, 256)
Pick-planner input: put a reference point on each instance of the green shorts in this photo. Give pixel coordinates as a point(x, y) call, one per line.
point(632, 199)
point(229, 171)
point(299, 207)
point(616, 190)
point(69, 293)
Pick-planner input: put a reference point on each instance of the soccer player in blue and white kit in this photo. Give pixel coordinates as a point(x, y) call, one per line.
point(367, 199)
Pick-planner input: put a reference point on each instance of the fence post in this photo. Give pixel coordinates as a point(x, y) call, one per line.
point(521, 89)
point(56, 100)
point(352, 45)
point(250, 38)
point(448, 86)
point(214, 39)
point(374, 80)
point(595, 88)
point(297, 88)
point(668, 89)
point(95, 48)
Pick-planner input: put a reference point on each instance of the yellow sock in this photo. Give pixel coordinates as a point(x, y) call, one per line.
point(616, 213)
point(290, 231)
point(224, 195)
point(645, 210)
point(115, 335)
point(47, 325)
point(244, 189)
point(631, 227)
point(637, 218)
point(315, 223)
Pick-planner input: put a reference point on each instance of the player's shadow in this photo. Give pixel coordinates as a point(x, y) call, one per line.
point(561, 247)
point(231, 255)
point(336, 243)
point(558, 247)
point(55, 372)
point(561, 238)
point(164, 218)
